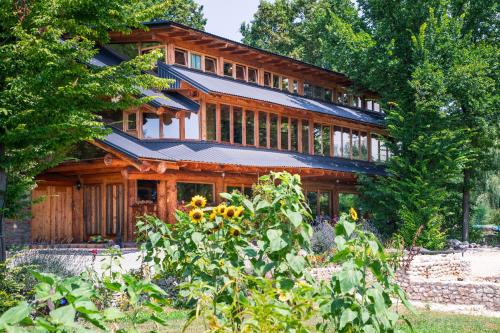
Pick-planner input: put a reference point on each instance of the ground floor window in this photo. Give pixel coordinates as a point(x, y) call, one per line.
point(147, 190)
point(244, 189)
point(185, 191)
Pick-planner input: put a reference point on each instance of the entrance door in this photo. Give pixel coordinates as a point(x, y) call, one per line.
point(115, 210)
point(92, 210)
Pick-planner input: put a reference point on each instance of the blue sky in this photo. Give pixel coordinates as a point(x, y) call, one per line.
point(224, 17)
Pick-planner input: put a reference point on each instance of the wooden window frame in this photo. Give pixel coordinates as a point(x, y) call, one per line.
point(187, 57)
point(194, 182)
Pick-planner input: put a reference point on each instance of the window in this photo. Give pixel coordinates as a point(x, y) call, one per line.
point(305, 136)
point(364, 146)
point(231, 189)
point(228, 69)
point(326, 140)
point(170, 126)
point(284, 133)
point(346, 141)
point(337, 141)
point(185, 191)
point(294, 140)
point(324, 203)
point(192, 126)
point(237, 125)
point(195, 61)
point(150, 126)
point(132, 121)
point(317, 139)
point(328, 95)
point(369, 104)
point(342, 98)
point(240, 72)
point(318, 92)
point(180, 57)
point(295, 86)
point(250, 127)
point(252, 75)
point(312, 200)
point(248, 191)
point(210, 65)
point(267, 79)
point(274, 130)
point(225, 123)
point(284, 84)
point(383, 151)
point(129, 50)
point(375, 148)
point(308, 90)
point(147, 190)
point(276, 81)
point(211, 122)
point(262, 129)
point(355, 144)
point(113, 118)
point(376, 107)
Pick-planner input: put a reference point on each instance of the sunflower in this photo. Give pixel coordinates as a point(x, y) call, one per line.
point(234, 232)
point(213, 214)
point(239, 211)
point(230, 212)
point(196, 215)
point(353, 213)
point(221, 209)
point(198, 201)
point(283, 297)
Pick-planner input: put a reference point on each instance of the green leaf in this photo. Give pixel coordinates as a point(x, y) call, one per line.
point(44, 277)
point(197, 237)
point(64, 315)
point(276, 243)
point(227, 196)
point(154, 237)
point(347, 317)
point(296, 263)
point(262, 204)
point(249, 205)
point(111, 314)
point(295, 218)
point(15, 315)
point(349, 227)
point(85, 306)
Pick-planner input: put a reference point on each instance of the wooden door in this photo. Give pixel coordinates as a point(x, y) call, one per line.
point(115, 210)
point(92, 210)
point(52, 214)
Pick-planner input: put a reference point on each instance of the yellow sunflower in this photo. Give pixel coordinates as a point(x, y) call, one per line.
point(196, 215)
point(353, 213)
point(239, 211)
point(198, 201)
point(213, 214)
point(230, 212)
point(283, 297)
point(234, 232)
point(221, 209)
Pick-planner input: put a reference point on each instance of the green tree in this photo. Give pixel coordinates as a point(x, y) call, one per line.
point(433, 64)
point(49, 93)
point(186, 12)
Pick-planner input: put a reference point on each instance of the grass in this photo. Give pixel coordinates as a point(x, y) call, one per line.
point(423, 322)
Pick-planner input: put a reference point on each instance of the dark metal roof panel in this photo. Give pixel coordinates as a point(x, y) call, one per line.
point(213, 83)
point(172, 100)
point(208, 152)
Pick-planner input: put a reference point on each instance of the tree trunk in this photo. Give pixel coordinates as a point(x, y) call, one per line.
point(3, 194)
point(466, 205)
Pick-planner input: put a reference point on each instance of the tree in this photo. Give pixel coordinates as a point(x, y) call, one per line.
point(437, 62)
point(49, 94)
point(186, 12)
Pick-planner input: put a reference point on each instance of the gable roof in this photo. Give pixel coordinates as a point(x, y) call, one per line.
point(211, 83)
point(216, 153)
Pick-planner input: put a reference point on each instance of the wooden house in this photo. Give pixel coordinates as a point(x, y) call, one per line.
point(232, 113)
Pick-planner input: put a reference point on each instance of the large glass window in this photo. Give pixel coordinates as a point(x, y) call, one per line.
point(346, 141)
point(225, 124)
point(328, 95)
point(274, 130)
point(237, 125)
point(355, 145)
point(284, 133)
point(180, 57)
point(240, 72)
point(312, 200)
point(305, 136)
point(317, 139)
point(252, 75)
point(375, 148)
point(195, 61)
point(308, 90)
point(324, 203)
point(132, 121)
point(318, 92)
point(211, 122)
point(383, 151)
point(294, 133)
point(185, 191)
point(337, 141)
point(295, 86)
point(147, 190)
point(210, 65)
point(276, 81)
point(364, 146)
point(170, 126)
point(228, 69)
point(262, 129)
point(113, 118)
point(150, 126)
point(250, 127)
point(326, 140)
point(267, 79)
point(192, 126)
point(285, 84)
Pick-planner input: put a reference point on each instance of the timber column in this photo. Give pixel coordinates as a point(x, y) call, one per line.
point(171, 200)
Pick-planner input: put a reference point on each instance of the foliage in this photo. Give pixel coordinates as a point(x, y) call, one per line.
point(323, 237)
point(245, 264)
point(439, 59)
point(79, 302)
point(16, 283)
point(186, 12)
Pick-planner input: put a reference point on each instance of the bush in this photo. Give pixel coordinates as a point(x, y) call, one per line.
point(16, 284)
point(323, 238)
point(431, 237)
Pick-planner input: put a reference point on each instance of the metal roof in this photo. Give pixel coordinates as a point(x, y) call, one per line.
point(211, 83)
point(107, 57)
point(209, 152)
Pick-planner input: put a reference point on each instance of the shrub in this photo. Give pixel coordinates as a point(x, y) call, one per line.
point(323, 237)
point(431, 237)
point(16, 284)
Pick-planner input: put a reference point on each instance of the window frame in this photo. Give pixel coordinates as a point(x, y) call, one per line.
point(186, 57)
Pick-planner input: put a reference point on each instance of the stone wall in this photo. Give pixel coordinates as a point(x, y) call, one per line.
point(17, 231)
point(439, 267)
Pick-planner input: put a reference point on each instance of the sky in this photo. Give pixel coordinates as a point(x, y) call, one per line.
point(224, 17)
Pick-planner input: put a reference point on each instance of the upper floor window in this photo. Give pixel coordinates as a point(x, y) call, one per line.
point(328, 95)
point(150, 126)
point(196, 61)
point(285, 84)
point(252, 75)
point(211, 121)
point(305, 136)
point(160, 126)
point(181, 57)
point(237, 125)
point(267, 79)
point(192, 126)
point(273, 127)
point(276, 81)
point(250, 127)
point(262, 129)
point(295, 86)
point(225, 123)
point(131, 121)
point(228, 69)
point(170, 126)
point(210, 65)
point(240, 72)
point(308, 90)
